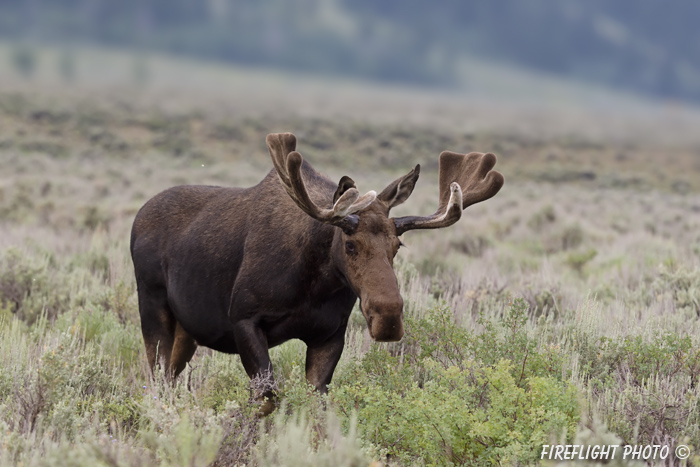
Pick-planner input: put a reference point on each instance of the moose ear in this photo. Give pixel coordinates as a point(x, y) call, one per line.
point(344, 185)
point(400, 189)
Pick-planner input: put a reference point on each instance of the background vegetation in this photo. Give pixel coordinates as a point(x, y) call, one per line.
point(646, 46)
point(563, 310)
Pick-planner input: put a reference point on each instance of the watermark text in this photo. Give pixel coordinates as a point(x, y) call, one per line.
point(569, 452)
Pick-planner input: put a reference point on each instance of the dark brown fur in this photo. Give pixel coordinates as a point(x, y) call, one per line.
point(242, 270)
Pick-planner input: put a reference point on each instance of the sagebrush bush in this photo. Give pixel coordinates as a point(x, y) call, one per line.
point(679, 284)
point(27, 285)
point(296, 442)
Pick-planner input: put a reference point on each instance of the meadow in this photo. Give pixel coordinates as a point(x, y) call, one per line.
point(566, 309)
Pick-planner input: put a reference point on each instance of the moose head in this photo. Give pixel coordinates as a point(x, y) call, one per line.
point(367, 238)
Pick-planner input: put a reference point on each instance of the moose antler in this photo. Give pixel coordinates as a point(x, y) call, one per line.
point(288, 163)
point(465, 179)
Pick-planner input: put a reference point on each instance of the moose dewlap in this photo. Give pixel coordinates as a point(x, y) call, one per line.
point(241, 270)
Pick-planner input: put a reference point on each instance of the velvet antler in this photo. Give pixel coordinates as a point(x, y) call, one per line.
point(465, 179)
point(288, 163)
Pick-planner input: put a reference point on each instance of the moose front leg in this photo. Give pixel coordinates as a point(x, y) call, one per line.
point(321, 360)
point(252, 347)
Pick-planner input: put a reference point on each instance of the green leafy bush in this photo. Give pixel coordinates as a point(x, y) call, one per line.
point(460, 398)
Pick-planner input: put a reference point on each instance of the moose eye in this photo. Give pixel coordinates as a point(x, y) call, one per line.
point(350, 248)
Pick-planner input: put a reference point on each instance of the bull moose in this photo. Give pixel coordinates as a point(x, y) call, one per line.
point(241, 270)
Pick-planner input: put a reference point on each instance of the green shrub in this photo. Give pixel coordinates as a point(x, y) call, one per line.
point(577, 260)
point(544, 217)
point(226, 381)
point(459, 398)
point(459, 416)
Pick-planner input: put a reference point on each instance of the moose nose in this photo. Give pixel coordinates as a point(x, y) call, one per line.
point(385, 319)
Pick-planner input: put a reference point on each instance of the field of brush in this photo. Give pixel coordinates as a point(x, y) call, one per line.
point(565, 309)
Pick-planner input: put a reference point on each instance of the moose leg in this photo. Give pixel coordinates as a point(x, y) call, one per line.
point(184, 347)
point(322, 359)
point(157, 326)
point(252, 347)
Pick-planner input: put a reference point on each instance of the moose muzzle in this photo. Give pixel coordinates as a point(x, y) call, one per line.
point(384, 318)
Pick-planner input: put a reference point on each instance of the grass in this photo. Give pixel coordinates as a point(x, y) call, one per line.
point(563, 310)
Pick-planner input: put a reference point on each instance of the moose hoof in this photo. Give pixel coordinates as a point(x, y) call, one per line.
point(267, 406)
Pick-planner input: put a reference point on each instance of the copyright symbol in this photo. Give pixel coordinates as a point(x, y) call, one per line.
point(682, 451)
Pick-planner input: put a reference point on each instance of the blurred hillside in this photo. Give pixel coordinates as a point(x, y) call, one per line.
point(643, 46)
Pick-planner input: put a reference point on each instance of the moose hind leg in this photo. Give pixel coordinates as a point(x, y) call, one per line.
point(184, 347)
point(157, 326)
